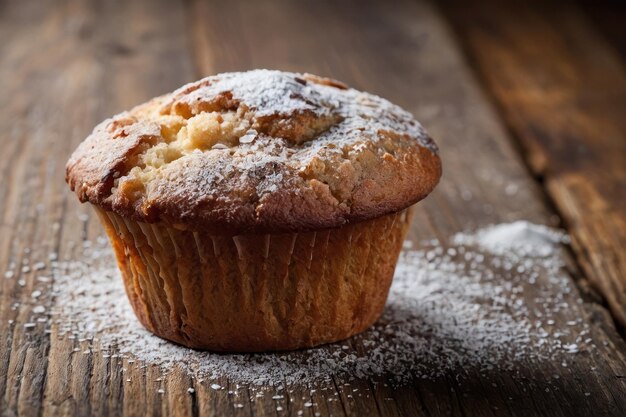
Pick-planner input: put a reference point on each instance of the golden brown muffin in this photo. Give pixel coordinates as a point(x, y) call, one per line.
point(260, 210)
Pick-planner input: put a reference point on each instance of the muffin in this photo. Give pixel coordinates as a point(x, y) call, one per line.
point(257, 211)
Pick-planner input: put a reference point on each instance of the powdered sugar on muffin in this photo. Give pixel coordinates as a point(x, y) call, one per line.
point(257, 151)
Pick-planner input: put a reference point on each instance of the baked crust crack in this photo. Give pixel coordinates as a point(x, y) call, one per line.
point(257, 151)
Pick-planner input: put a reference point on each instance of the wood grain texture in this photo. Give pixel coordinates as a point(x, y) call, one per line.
point(68, 64)
point(562, 89)
point(608, 17)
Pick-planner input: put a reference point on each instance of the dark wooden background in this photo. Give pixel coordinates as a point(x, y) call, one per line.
point(533, 94)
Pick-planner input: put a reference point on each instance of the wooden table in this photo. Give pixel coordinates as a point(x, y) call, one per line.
point(534, 95)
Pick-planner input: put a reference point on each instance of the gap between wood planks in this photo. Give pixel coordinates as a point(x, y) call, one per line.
point(561, 88)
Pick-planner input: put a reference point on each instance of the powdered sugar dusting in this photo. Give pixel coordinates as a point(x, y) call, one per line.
point(246, 145)
point(519, 239)
point(270, 92)
point(450, 308)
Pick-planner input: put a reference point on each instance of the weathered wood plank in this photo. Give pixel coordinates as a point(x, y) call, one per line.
point(376, 60)
point(608, 17)
point(562, 89)
point(56, 58)
point(103, 57)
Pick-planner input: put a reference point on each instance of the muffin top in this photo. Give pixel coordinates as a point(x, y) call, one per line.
point(257, 152)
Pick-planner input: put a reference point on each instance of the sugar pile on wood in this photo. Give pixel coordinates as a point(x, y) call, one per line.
point(518, 239)
point(489, 300)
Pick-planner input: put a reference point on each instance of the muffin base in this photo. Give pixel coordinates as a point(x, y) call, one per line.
point(254, 293)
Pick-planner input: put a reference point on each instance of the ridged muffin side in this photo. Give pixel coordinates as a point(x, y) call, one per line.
point(253, 293)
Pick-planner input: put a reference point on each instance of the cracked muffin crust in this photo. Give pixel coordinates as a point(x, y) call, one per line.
point(257, 152)
point(257, 211)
